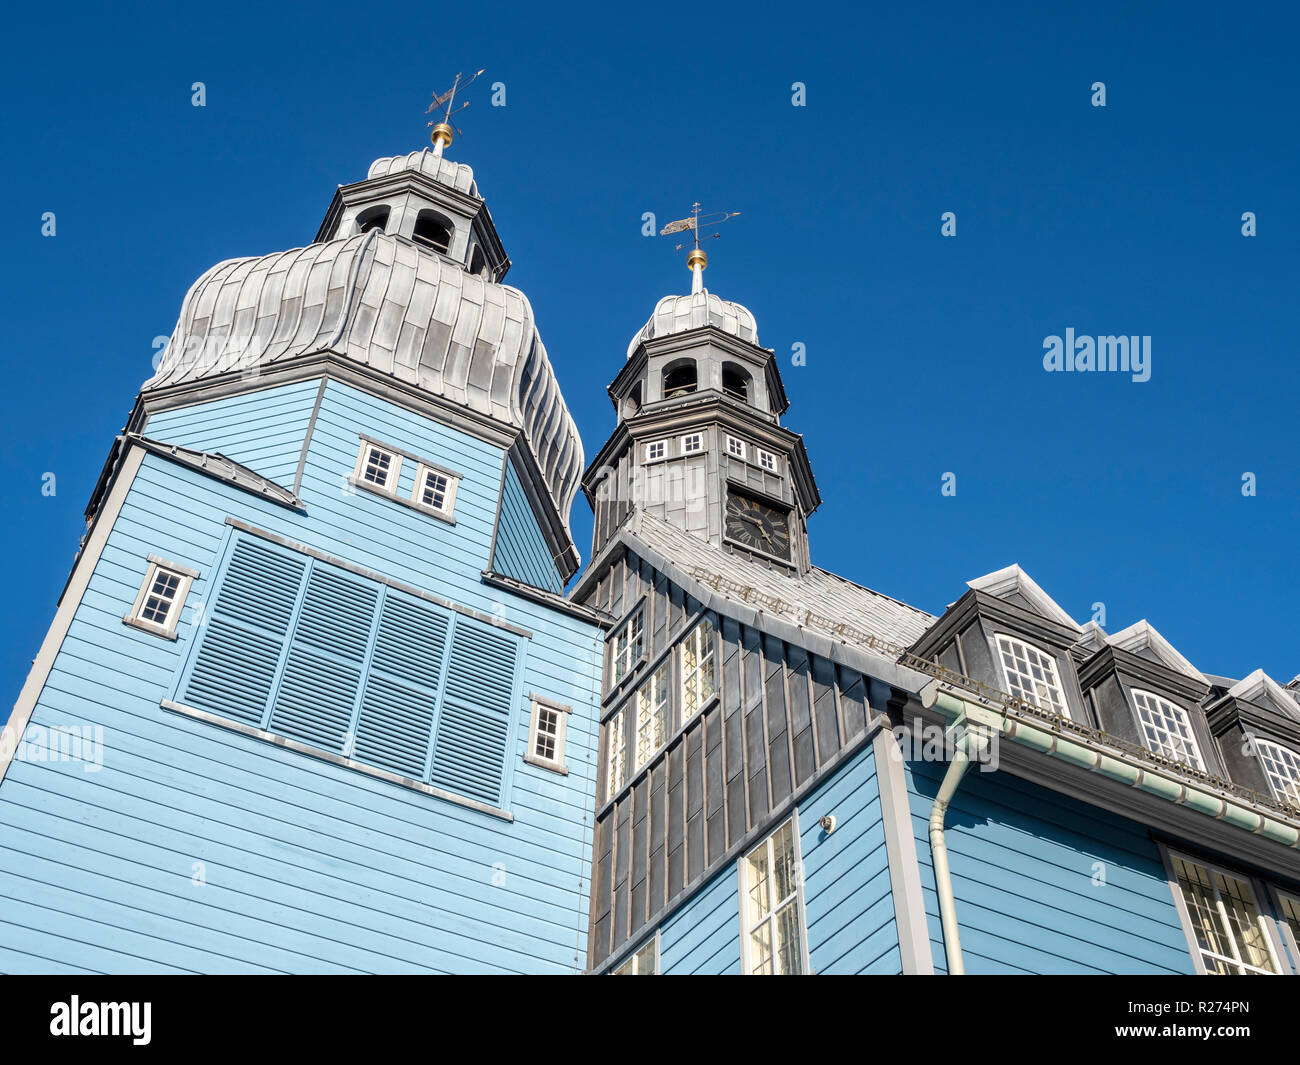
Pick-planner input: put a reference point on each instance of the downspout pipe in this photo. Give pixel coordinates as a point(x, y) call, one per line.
point(968, 743)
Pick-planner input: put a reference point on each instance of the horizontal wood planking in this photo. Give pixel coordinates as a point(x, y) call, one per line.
point(309, 866)
point(703, 937)
point(520, 550)
point(1022, 860)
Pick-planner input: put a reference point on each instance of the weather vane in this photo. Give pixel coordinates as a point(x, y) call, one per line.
point(697, 260)
point(442, 131)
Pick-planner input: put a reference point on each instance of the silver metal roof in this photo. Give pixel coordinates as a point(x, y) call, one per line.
point(388, 304)
point(677, 314)
point(454, 175)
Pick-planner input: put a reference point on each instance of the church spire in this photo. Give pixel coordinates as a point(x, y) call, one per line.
point(697, 260)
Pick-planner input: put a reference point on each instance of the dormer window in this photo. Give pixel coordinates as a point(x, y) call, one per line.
point(373, 218)
point(680, 379)
point(1031, 675)
point(735, 382)
point(1167, 729)
point(1282, 767)
point(432, 231)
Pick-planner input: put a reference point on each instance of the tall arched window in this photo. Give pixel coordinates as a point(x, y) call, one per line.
point(373, 218)
point(432, 230)
point(478, 261)
point(632, 403)
point(735, 381)
point(679, 379)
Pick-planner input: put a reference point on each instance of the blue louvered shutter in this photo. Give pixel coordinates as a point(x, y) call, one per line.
point(395, 726)
point(469, 754)
point(243, 633)
point(323, 670)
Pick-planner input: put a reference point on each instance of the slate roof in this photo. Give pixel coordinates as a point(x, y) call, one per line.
point(387, 303)
point(819, 602)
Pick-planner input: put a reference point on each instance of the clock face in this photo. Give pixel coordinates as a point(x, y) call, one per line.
point(758, 525)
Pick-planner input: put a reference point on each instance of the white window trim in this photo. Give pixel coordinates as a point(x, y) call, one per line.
point(617, 678)
point(1193, 747)
point(739, 444)
point(389, 487)
point(630, 963)
point(1290, 937)
point(417, 491)
point(742, 882)
point(1260, 746)
point(1260, 893)
point(615, 727)
point(693, 436)
point(700, 700)
point(657, 684)
point(653, 444)
point(186, 578)
point(759, 453)
point(562, 710)
point(1056, 672)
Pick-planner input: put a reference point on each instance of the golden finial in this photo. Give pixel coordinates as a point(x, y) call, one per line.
point(696, 259)
point(442, 131)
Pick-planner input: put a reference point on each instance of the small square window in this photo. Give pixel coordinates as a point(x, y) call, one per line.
point(735, 447)
point(377, 467)
point(435, 489)
point(547, 732)
point(692, 443)
point(655, 450)
point(161, 598)
point(766, 459)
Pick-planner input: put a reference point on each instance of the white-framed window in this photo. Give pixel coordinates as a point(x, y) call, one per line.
point(1282, 767)
point(377, 467)
point(772, 941)
point(628, 647)
point(652, 713)
point(547, 731)
point(656, 450)
point(1231, 935)
point(1031, 675)
point(1167, 729)
point(616, 755)
point(735, 447)
point(161, 598)
point(692, 442)
point(698, 683)
point(435, 489)
point(645, 962)
point(765, 459)
point(1288, 909)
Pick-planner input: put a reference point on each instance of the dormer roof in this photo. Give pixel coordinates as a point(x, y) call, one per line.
point(1013, 582)
point(1141, 638)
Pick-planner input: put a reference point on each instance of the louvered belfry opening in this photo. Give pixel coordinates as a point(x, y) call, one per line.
point(311, 652)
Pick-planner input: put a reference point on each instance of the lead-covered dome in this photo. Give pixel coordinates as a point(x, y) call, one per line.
point(677, 314)
point(388, 304)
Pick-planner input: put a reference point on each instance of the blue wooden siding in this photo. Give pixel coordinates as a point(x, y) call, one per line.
point(847, 897)
point(1023, 864)
point(702, 938)
point(264, 430)
point(521, 550)
point(305, 866)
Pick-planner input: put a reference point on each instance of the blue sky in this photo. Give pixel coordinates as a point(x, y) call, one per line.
point(924, 353)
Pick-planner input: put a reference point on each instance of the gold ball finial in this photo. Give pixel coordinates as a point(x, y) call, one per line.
point(441, 135)
point(696, 258)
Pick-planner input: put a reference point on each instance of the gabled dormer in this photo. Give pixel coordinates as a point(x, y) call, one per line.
point(1257, 724)
point(1010, 635)
point(1140, 689)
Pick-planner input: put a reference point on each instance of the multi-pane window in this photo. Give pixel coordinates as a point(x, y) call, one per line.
point(766, 459)
point(656, 450)
point(629, 645)
point(161, 597)
point(1282, 766)
point(645, 962)
point(692, 443)
point(652, 714)
point(1031, 675)
point(616, 764)
point(735, 447)
point(1167, 729)
point(1230, 933)
point(697, 669)
point(546, 734)
point(434, 490)
point(770, 902)
point(1290, 909)
point(378, 467)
